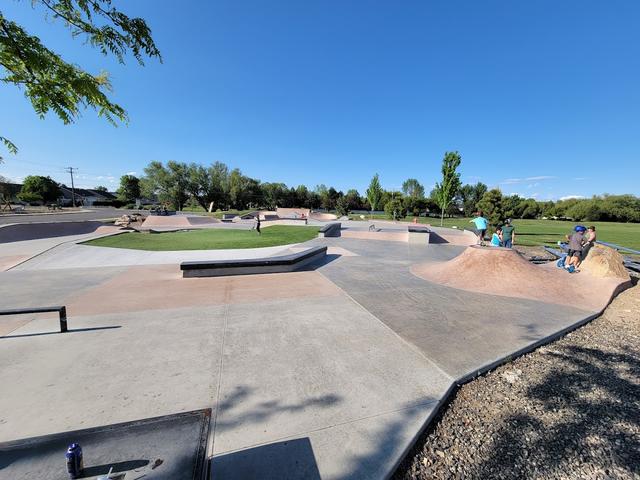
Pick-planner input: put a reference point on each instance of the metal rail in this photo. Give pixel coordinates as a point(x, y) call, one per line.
point(62, 312)
point(619, 247)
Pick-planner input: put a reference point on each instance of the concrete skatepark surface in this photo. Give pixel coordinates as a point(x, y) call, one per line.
point(172, 447)
point(503, 271)
point(326, 373)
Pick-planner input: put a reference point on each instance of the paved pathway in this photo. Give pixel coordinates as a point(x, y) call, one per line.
point(316, 374)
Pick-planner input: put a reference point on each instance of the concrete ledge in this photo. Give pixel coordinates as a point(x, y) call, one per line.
point(419, 234)
point(330, 230)
point(219, 268)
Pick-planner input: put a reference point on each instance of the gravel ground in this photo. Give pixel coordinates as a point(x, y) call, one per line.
point(569, 410)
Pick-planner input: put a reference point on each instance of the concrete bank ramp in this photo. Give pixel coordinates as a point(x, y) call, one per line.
point(177, 222)
point(503, 271)
point(33, 231)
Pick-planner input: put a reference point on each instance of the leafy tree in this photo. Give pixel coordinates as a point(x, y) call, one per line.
point(101, 189)
point(395, 209)
point(323, 194)
point(492, 208)
point(168, 183)
point(129, 189)
point(446, 189)
point(342, 206)
point(36, 188)
point(334, 195)
point(275, 194)
point(374, 193)
point(51, 83)
point(529, 208)
point(415, 206)
point(511, 205)
point(353, 199)
point(413, 188)
point(469, 196)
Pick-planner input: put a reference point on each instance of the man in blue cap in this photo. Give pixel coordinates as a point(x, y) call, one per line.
point(576, 244)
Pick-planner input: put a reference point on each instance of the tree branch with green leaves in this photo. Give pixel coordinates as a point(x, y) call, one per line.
point(51, 83)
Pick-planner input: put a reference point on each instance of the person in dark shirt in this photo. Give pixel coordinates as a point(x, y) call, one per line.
point(508, 234)
point(258, 224)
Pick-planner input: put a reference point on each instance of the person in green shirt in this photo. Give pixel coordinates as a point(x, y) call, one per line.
point(508, 234)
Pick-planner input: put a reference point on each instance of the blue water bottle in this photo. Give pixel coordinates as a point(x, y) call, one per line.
point(74, 460)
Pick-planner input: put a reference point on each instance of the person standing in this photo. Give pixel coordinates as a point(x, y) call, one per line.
point(508, 234)
point(481, 224)
point(258, 224)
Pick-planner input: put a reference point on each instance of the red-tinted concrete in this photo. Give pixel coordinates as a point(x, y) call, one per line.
point(502, 271)
point(162, 287)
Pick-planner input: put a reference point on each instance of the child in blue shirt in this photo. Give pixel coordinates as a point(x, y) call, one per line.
point(481, 224)
point(496, 238)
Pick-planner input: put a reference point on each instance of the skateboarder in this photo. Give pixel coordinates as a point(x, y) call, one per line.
point(258, 224)
point(576, 241)
point(481, 224)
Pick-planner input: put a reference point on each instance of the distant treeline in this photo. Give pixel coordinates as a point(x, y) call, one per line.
point(179, 185)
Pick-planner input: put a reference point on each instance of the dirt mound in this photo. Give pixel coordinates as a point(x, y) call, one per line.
point(503, 271)
point(603, 262)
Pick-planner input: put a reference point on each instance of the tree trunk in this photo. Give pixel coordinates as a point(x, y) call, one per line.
point(442, 218)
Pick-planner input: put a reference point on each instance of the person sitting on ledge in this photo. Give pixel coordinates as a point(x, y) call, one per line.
point(496, 238)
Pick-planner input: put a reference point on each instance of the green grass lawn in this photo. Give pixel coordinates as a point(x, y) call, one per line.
point(208, 239)
point(549, 232)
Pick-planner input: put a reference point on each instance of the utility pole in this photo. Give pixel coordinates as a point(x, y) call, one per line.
point(73, 190)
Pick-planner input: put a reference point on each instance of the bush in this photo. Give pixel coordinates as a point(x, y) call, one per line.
point(395, 209)
point(30, 198)
point(342, 207)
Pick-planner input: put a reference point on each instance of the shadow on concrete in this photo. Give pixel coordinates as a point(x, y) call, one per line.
point(71, 330)
point(436, 239)
point(117, 467)
point(264, 410)
point(290, 459)
point(327, 259)
point(172, 446)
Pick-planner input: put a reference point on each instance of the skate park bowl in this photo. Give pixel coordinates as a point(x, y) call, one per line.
point(35, 231)
point(280, 264)
point(503, 271)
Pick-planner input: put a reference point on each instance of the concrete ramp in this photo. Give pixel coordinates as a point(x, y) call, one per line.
point(503, 271)
point(34, 231)
point(177, 222)
point(322, 217)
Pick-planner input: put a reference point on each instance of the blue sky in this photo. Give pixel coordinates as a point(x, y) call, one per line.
point(540, 98)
